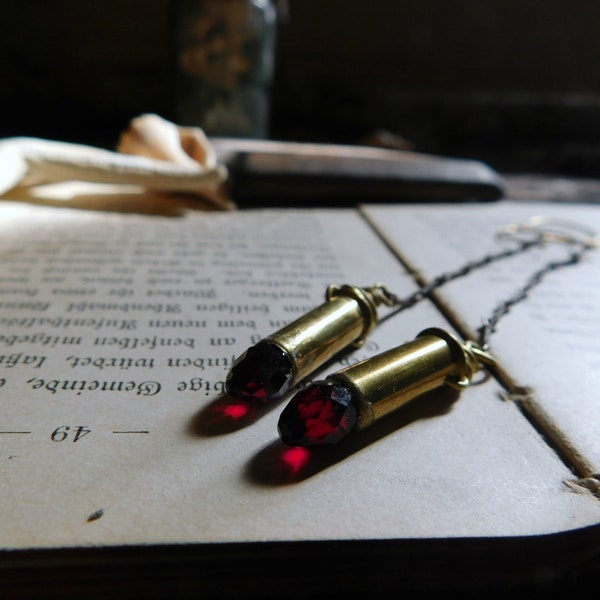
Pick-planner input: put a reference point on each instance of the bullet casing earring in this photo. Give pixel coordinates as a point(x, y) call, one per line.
point(274, 365)
point(357, 396)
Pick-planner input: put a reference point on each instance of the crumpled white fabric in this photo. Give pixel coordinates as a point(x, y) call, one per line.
point(152, 153)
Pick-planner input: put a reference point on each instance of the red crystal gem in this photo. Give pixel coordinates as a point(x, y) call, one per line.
point(323, 413)
point(263, 372)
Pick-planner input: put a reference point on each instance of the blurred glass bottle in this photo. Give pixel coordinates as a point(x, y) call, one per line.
point(225, 58)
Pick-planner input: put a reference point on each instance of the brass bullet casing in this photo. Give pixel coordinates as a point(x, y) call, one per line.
point(389, 380)
point(345, 319)
point(327, 411)
point(276, 363)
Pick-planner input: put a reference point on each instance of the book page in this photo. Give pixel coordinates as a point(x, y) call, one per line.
point(117, 335)
point(550, 342)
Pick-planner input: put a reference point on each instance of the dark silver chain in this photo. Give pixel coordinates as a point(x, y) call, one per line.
point(489, 326)
point(502, 308)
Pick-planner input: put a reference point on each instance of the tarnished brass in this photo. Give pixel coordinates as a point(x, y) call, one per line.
point(345, 319)
point(385, 382)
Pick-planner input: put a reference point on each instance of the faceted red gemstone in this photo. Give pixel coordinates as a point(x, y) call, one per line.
point(323, 413)
point(263, 372)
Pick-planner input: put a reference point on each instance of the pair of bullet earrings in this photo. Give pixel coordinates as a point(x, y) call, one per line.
point(352, 399)
point(355, 397)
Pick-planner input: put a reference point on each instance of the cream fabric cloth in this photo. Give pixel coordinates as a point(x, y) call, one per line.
point(152, 154)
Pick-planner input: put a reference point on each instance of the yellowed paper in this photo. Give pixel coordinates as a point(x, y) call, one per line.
point(117, 335)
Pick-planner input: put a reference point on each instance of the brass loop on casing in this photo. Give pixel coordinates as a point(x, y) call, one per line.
point(475, 357)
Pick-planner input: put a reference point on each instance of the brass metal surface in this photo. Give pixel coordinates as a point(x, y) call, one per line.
point(345, 319)
point(389, 380)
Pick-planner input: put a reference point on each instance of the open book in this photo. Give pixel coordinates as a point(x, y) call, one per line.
point(118, 444)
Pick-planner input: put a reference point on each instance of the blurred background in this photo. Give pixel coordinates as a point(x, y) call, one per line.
point(516, 84)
